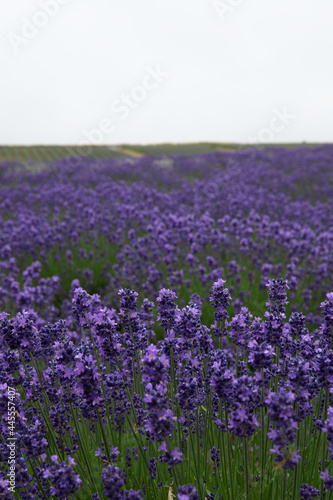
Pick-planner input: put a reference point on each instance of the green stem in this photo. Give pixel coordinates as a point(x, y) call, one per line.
point(194, 455)
point(246, 458)
point(296, 468)
point(208, 430)
point(285, 477)
point(82, 446)
point(138, 440)
point(262, 454)
point(102, 383)
point(36, 477)
point(173, 467)
point(225, 462)
point(323, 455)
point(229, 454)
point(138, 389)
point(104, 436)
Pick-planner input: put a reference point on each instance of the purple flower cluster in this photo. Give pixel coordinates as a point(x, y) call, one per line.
point(245, 398)
point(220, 300)
point(166, 308)
point(281, 412)
point(113, 482)
point(159, 421)
point(307, 492)
point(187, 493)
point(110, 377)
point(327, 327)
point(64, 480)
point(132, 223)
point(150, 390)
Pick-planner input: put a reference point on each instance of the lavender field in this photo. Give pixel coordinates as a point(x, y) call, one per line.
point(166, 326)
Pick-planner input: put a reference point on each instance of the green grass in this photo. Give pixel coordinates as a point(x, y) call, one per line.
point(42, 154)
point(47, 153)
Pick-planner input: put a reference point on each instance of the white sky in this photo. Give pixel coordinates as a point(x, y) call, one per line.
point(231, 73)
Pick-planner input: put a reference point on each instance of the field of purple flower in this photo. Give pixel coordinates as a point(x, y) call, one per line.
point(166, 327)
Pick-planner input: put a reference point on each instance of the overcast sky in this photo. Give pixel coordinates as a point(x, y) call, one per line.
point(149, 71)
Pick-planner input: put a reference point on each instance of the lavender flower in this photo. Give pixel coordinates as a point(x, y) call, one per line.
point(187, 493)
point(4, 489)
point(113, 482)
point(64, 480)
point(328, 480)
point(307, 492)
point(159, 421)
point(166, 308)
point(282, 413)
point(128, 300)
point(327, 327)
point(152, 468)
point(220, 299)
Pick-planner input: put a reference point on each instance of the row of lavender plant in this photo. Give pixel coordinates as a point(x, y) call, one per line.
point(177, 223)
point(237, 409)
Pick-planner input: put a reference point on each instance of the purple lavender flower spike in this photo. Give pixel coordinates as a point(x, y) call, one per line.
point(187, 493)
point(282, 413)
point(307, 492)
point(220, 300)
point(64, 480)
